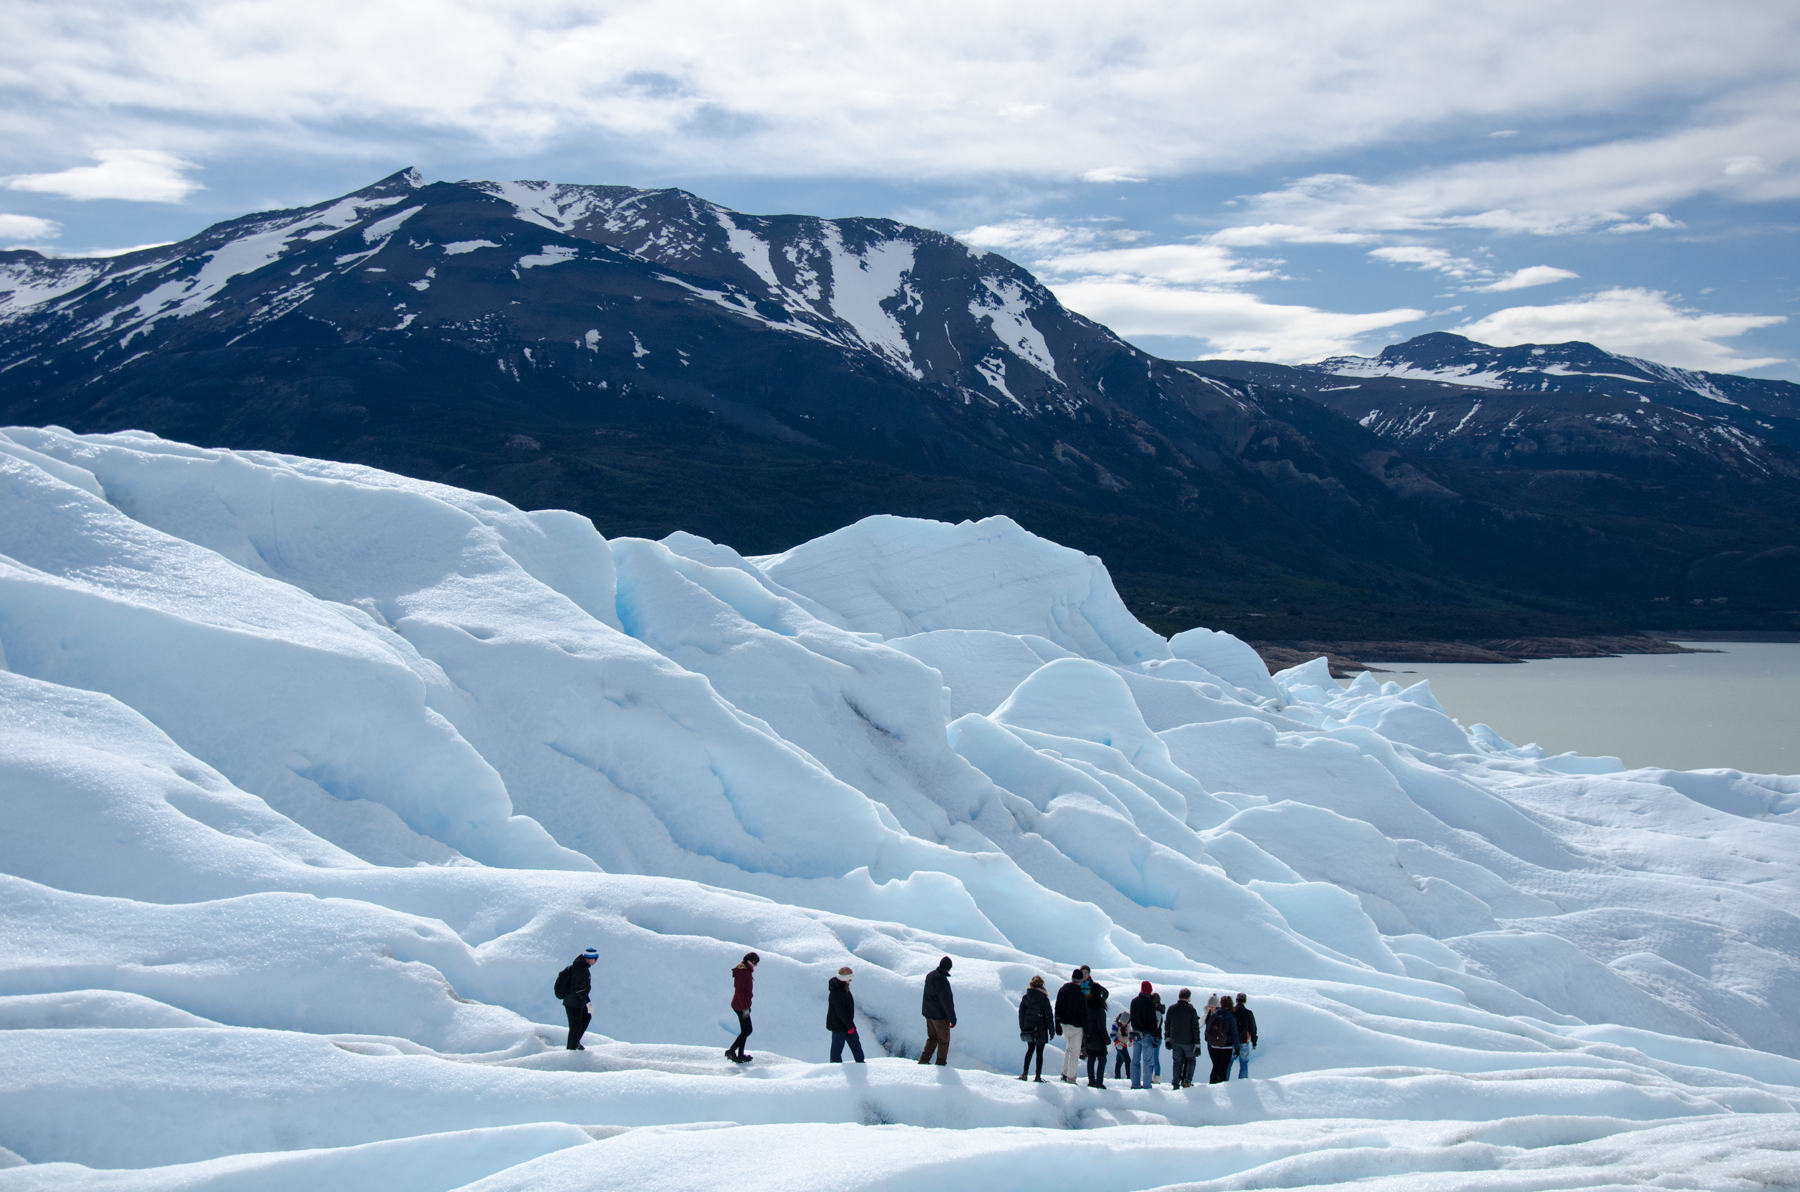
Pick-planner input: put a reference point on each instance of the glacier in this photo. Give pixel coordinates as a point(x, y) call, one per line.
point(314, 775)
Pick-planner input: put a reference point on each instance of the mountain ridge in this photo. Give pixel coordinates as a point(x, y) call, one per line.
point(659, 362)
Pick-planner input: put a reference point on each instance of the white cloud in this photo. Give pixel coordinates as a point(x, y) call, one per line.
point(1188, 290)
point(139, 175)
point(1161, 264)
point(1229, 323)
point(1747, 156)
point(1029, 238)
point(938, 88)
point(27, 228)
point(1655, 221)
point(1258, 235)
point(1436, 259)
point(1114, 174)
point(1631, 322)
point(1524, 279)
point(1465, 269)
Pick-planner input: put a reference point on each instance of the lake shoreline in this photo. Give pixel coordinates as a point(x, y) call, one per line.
point(1348, 658)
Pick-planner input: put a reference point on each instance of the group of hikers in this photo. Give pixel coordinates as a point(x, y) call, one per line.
point(1136, 1037)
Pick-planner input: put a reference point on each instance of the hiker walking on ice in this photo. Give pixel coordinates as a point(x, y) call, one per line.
point(840, 1017)
point(1221, 1038)
point(1246, 1019)
point(1036, 1021)
point(574, 989)
point(1071, 1017)
point(939, 1008)
point(743, 978)
point(1183, 1028)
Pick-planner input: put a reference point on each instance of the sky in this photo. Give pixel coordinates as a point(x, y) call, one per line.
point(1280, 180)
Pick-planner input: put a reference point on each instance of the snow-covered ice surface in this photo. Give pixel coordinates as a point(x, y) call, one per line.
point(312, 777)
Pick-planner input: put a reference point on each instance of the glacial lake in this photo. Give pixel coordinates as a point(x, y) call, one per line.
point(1738, 708)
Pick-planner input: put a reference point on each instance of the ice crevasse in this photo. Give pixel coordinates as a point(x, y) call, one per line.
point(300, 755)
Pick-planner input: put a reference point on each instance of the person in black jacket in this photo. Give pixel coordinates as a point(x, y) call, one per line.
point(1146, 1035)
point(939, 1009)
point(1071, 1016)
point(1036, 1020)
point(1246, 1036)
point(1182, 1026)
point(1095, 1042)
point(1221, 1039)
point(840, 1017)
point(575, 986)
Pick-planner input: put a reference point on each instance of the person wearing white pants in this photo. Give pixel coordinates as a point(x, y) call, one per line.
point(1071, 1018)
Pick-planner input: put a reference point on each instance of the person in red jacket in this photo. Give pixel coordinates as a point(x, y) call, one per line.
point(743, 974)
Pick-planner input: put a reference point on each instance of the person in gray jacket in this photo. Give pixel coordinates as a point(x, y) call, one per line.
point(1181, 1026)
point(939, 1009)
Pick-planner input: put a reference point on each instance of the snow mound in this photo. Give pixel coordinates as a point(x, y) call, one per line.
point(314, 776)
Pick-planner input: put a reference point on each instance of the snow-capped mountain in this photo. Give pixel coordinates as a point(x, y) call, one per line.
point(659, 362)
point(1552, 405)
point(615, 288)
point(314, 775)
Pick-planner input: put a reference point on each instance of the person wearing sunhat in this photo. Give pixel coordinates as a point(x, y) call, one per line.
point(574, 989)
point(840, 1017)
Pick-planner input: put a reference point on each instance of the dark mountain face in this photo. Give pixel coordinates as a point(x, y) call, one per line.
point(1552, 405)
point(1704, 463)
point(658, 362)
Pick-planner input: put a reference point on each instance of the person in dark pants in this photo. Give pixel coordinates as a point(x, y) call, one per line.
point(1156, 1051)
point(1222, 1039)
point(840, 1017)
point(1246, 1036)
point(1093, 1036)
point(1182, 1027)
point(1036, 1020)
point(1071, 1016)
point(1121, 1042)
point(574, 985)
point(743, 977)
point(939, 1008)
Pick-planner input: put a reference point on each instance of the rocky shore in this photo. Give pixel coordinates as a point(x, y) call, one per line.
point(1350, 658)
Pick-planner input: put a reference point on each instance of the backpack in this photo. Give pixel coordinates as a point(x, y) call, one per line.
point(563, 982)
point(1216, 1035)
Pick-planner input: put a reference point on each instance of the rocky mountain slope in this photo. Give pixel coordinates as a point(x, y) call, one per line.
point(659, 362)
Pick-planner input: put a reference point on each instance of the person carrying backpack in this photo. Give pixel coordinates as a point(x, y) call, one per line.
point(743, 979)
point(1182, 1026)
point(840, 1017)
point(1071, 1017)
point(574, 989)
point(1121, 1045)
point(1036, 1020)
point(1246, 1036)
point(939, 1008)
point(1221, 1039)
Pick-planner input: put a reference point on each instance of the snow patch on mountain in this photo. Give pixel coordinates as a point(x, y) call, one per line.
point(861, 282)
